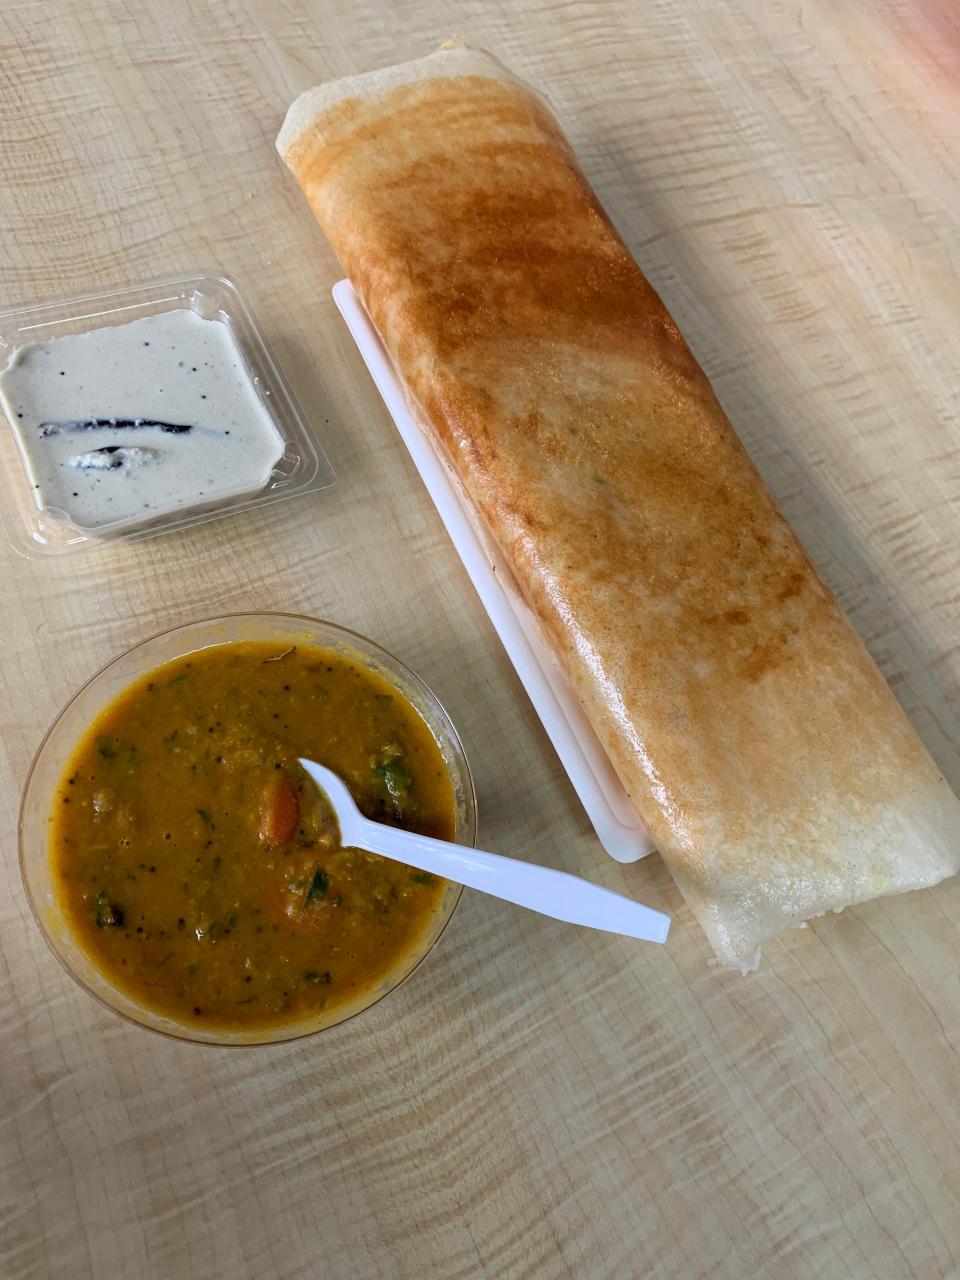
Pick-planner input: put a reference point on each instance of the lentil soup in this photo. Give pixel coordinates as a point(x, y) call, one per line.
point(201, 870)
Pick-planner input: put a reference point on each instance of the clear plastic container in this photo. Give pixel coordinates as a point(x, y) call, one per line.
point(57, 747)
point(301, 468)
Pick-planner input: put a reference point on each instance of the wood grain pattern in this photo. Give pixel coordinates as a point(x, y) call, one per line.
point(538, 1102)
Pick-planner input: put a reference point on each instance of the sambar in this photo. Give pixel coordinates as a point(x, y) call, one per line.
point(201, 870)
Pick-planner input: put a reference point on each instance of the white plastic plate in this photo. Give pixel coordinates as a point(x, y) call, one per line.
point(588, 767)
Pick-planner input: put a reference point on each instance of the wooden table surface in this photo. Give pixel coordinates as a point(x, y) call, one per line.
point(538, 1102)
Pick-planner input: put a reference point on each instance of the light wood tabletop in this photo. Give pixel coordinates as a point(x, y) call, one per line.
point(538, 1101)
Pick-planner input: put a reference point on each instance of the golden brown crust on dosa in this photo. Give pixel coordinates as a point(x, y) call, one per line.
point(753, 732)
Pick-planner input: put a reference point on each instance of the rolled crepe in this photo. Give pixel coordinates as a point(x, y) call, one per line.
point(750, 727)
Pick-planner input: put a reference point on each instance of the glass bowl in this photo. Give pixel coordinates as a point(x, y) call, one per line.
point(61, 739)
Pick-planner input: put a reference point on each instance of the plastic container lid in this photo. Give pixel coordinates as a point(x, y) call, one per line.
point(301, 466)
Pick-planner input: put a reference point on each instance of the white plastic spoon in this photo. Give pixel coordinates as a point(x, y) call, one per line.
point(552, 893)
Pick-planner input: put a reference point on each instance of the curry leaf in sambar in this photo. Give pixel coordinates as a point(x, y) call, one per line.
point(318, 886)
point(396, 777)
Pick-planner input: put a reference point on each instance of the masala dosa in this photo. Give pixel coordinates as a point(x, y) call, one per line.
point(752, 730)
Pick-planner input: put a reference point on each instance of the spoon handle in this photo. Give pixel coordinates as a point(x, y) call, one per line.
point(551, 893)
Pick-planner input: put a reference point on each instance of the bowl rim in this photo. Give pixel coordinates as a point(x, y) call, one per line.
point(346, 632)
